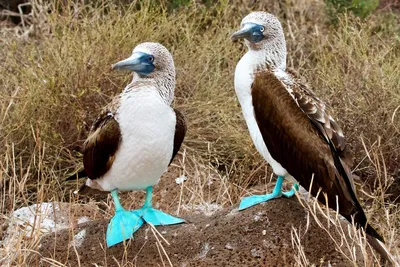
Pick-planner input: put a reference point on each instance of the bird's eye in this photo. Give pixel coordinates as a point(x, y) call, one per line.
point(262, 29)
point(151, 58)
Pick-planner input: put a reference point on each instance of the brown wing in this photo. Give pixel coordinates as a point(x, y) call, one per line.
point(302, 145)
point(100, 147)
point(109, 110)
point(180, 131)
point(317, 112)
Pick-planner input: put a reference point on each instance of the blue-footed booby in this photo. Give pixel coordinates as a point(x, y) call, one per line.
point(291, 127)
point(134, 140)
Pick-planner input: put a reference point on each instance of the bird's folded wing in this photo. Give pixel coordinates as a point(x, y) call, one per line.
point(296, 130)
point(101, 145)
point(180, 131)
point(317, 112)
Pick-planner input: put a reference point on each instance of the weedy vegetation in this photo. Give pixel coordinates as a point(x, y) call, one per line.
point(360, 8)
point(56, 76)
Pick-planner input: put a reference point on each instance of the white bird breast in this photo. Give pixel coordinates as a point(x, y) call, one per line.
point(147, 126)
point(244, 77)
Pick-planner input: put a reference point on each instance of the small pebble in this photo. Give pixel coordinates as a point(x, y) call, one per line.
point(229, 246)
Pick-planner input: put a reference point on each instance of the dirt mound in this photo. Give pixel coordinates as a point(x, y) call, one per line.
point(259, 236)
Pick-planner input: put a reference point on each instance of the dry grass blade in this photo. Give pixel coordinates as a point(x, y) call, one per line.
point(57, 76)
point(159, 244)
point(154, 230)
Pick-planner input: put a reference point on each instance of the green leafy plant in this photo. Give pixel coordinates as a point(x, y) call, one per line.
point(360, 8)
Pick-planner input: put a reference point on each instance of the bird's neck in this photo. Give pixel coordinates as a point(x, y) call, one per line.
point(270, 55)
point(164, 84)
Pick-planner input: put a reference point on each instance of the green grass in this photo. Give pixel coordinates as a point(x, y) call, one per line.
point(57, 75)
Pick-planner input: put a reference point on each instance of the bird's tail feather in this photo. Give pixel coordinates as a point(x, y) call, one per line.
point(78, 175)
point(380, 247)
point(372, 232)
point(373, 237)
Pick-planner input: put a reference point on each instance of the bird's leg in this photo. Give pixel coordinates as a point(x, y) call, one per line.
point(117, 203)
point(123, 224)
point(153, 216)
point(247, 202)
point(292, 191)
point(149, 196)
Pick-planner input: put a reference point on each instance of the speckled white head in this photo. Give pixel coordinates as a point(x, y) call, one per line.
point(161, 58)
point(263, 33)
point(151, 64)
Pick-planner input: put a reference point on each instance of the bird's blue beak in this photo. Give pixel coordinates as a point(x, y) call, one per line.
point(250, 31)
point(139, 62)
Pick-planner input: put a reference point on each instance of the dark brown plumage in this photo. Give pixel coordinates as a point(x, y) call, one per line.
point(310, 143)
point(101, 145)
point(99, 151)
point(180, 131)
point(99, 148)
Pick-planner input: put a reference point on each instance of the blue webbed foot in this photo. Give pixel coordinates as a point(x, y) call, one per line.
point(153, 216)
point(122, 226)
point(125, 223)
point(156, 217)
point(250, 201)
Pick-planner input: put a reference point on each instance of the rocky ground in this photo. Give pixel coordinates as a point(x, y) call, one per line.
point(280, 232)
point(259, 236)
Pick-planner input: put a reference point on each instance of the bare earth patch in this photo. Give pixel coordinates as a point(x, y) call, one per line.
point(259, 236)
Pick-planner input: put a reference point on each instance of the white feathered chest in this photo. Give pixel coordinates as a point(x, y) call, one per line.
point(147, 126)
